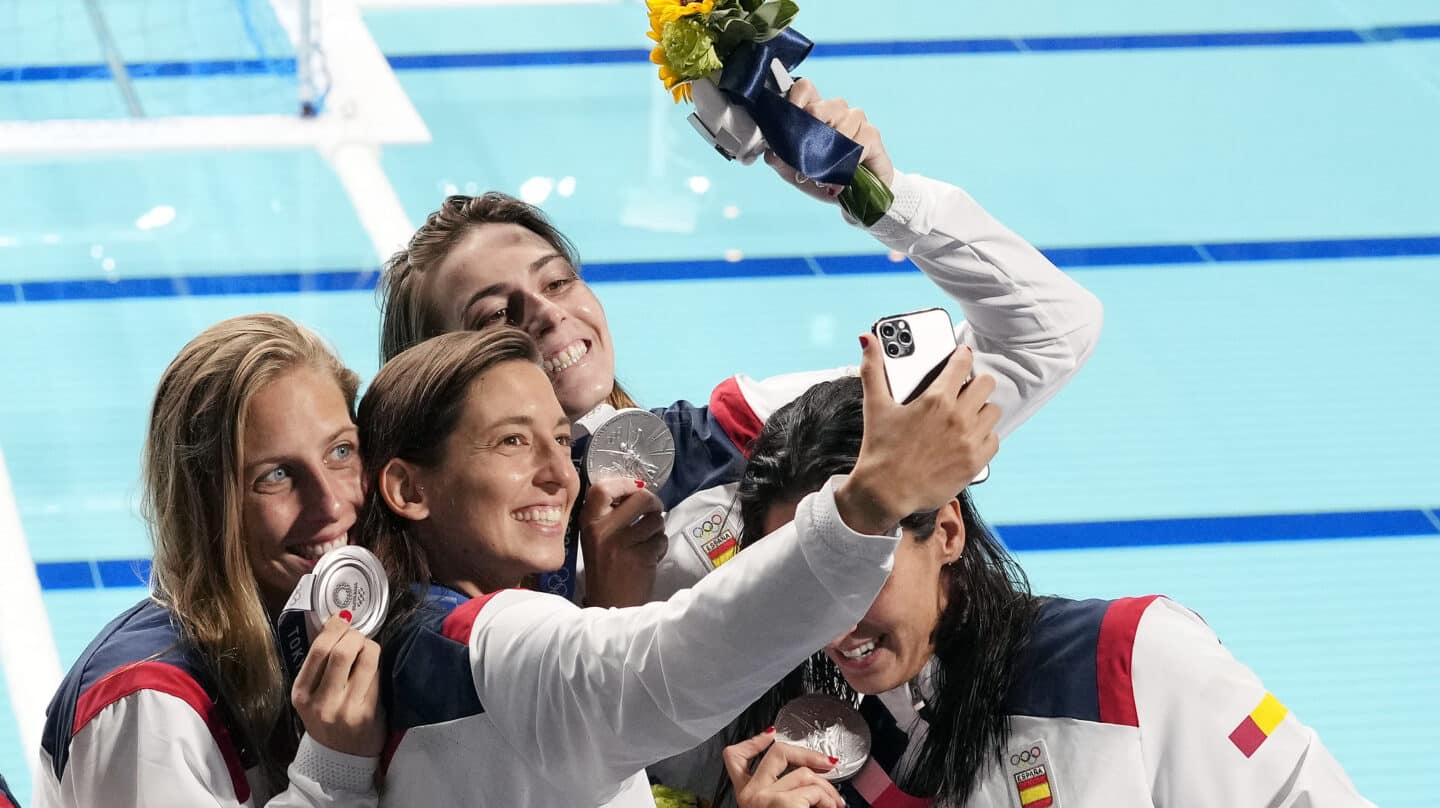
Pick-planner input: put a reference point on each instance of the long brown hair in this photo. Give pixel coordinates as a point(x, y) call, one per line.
point(192, 504)
point(407, 315)
point(410, 408)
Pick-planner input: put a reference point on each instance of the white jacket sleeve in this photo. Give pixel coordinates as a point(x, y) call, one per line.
point(1031, 325)
point(151, 749)
point(1209, 727)
point(592, 696)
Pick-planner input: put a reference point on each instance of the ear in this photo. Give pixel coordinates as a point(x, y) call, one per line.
point(949, 536)
point(401, 488)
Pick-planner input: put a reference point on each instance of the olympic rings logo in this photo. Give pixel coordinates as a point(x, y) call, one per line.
point(1025, 756)
point(708, 526)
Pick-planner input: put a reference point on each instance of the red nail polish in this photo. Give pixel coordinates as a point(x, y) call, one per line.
point(345, 615)
point(834, 760)
point(639, 483)
point(864, 341)
point(769, 730)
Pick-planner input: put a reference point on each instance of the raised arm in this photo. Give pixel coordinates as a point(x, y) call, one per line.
point(1031, 325)
point(594, 695)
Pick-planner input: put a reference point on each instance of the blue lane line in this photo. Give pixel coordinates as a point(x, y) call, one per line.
point(133, 572)
point(823, 50)
point(1218, 530)
point(194, 285)
point(1072, 258)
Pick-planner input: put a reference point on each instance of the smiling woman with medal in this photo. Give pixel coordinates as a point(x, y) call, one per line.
point(251, 487)
point(501, 695)
point(977, 693)
point(486, 261)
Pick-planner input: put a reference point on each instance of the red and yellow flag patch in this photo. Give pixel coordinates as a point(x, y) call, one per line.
point(1257, 726)
point(1034, 775)
point(1034, 786)
point(715, 538)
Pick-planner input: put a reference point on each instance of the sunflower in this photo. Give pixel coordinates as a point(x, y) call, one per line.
point(683, 50)
point(663, 11)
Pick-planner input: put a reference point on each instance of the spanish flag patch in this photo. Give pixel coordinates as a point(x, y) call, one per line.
point(1255, 729)
point(1033, 774)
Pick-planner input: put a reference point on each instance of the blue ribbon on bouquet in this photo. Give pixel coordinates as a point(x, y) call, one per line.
point(812, 148)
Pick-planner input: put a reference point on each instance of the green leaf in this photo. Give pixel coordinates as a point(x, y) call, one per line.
point(772, 17)
point(731, 34)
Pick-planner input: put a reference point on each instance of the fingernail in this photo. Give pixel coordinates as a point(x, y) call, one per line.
point(864, 342)
point(769, 730)
point(834, 760)
point(346, 615)
point(639, 483)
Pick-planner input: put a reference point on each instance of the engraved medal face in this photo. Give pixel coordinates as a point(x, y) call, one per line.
point(350, 579)
point(829, 726)
point(634, 444)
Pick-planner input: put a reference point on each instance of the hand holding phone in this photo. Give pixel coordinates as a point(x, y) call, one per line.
point(916, 345)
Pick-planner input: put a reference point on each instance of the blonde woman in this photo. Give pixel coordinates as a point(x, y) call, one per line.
point(251, 472)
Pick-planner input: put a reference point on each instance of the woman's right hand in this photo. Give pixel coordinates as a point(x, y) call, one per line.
point(784, 778)
point(918, 456)
point(337, 692)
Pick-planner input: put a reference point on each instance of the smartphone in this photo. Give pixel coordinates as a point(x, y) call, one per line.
point(916, 345)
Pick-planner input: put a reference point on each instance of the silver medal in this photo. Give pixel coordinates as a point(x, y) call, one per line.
point(348, 579)
point(634, 444)
point(829, 726)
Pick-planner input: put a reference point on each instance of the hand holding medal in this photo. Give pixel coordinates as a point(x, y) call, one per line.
point(621, 521)
point(733, 59)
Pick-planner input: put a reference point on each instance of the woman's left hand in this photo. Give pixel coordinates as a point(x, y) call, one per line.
point(848, 121)
point(784, 778)
point(622, 534)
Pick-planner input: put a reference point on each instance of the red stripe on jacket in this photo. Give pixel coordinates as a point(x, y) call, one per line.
point(458, 623)
point(164, 678)
point(1114, 657)
point(735, 415)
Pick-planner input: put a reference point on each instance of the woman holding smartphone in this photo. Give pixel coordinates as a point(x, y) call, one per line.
point(487, 261)
point(500, 695)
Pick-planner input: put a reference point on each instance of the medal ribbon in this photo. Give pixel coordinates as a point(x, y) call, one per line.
point(562, 581)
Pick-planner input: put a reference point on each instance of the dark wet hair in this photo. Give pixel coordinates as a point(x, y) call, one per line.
point(988, 614)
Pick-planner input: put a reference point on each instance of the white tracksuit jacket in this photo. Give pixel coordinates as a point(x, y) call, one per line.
point(521, 699)
point(136, 723)
point(1131, 703)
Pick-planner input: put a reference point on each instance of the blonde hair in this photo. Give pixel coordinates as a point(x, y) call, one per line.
point(414, 403)
point(407, 316)
point(192, 504)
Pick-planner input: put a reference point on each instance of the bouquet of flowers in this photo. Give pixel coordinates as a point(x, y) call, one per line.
point(732, 59)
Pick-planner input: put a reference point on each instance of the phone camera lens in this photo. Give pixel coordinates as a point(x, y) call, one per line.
point(892, 349)
point(904, 338)
point(887, 331)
